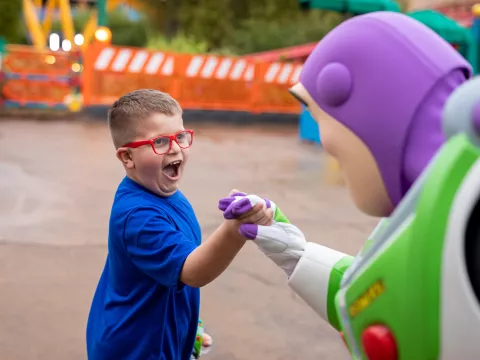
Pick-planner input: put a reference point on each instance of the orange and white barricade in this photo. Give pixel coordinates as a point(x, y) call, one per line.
point(200, 82)
point(111, 72)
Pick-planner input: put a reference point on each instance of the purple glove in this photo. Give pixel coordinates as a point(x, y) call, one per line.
point(238, 204)
point(224, 203)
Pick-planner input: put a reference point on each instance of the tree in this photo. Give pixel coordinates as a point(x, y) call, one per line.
point(209, 20)
point(239, 26)
point(11, 20)
point(261, 34)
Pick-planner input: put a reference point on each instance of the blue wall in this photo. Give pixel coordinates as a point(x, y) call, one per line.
point(308, 127)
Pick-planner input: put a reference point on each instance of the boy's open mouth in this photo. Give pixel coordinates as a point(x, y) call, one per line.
point(171, 170)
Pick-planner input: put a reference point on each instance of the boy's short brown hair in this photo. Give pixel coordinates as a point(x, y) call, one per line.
point(127, 113)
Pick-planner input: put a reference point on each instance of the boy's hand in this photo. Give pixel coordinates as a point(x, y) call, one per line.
point(260, 214)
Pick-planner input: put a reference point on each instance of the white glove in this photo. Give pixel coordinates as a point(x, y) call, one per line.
point(283, 243)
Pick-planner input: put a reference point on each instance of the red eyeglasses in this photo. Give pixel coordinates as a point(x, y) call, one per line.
point(162, 144)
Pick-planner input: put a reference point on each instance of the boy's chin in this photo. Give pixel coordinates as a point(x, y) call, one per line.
point(168, 187)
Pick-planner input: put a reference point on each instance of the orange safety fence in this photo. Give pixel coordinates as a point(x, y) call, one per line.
point(274, 80)
point(110, 72)
point(35, 78)
point(215, 82)
point(202, 82)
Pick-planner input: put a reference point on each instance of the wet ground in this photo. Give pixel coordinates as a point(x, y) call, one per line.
point(57, 181)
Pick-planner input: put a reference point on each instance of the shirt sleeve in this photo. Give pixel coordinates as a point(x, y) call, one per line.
point(156, 247)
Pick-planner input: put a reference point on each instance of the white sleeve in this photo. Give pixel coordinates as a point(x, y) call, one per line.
point(312, 278)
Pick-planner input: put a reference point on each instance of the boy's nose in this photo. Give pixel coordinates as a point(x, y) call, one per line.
point(175, 148)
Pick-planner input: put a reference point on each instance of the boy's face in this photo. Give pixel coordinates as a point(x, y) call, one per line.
point(160, 174)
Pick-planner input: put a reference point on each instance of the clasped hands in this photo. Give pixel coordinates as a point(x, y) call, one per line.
point(264, 224)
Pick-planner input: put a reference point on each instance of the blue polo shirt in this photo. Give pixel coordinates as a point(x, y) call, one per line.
point(140, 310)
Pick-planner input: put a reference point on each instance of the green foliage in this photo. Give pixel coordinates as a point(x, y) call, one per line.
point(126, 32)
point(209, 20)
point(239, 26)
point(11, 21)
point(258, 34)
point(180, 44)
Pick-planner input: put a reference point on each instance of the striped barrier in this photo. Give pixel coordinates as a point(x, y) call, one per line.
point(110, 72)
point(203, 82)
point(273, 84)
point(216, 83)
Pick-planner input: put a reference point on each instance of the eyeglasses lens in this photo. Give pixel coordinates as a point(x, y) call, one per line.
point(184, 139)
point(162, 144)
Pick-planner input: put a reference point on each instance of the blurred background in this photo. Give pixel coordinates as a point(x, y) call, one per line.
point(229, 63)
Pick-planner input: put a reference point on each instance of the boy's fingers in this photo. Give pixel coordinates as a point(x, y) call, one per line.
point(256, 218)
point(269, 214)
point(258, 208)
point(266, 219)
point(236, 192)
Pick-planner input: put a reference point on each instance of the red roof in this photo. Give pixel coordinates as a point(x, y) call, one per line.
point(289, 53)
point(461, 13)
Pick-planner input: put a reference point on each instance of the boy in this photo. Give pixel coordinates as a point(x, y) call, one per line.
point(146, 305)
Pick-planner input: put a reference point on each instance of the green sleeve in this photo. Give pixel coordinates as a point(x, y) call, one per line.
point(280, 217)
point(334, 283)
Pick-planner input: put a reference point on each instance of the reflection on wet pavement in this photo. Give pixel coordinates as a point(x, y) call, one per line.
point(57, 181)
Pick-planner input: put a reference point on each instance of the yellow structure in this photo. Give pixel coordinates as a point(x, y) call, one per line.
point(39, 31)
point(33, 25)
point(476, 10)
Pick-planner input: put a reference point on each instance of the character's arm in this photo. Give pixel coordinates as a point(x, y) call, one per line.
point(315, 271)
point(317, 278)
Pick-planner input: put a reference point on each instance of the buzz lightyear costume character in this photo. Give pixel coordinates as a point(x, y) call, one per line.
point(413, 292)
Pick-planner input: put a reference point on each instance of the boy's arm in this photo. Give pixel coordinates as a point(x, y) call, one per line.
point(211, 258)
point(165, 254)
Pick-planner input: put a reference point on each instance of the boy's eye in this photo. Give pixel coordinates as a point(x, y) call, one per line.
point(162, 142)
point(180, 136)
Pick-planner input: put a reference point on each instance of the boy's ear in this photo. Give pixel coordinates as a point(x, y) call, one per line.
point(124, 155)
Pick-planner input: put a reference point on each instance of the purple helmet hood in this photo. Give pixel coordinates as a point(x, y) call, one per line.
point(380, 74)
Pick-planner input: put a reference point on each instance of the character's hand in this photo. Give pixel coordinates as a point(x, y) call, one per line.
point(238, 204)
point(248, 209)
point(283, 243)
point(234, 194)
